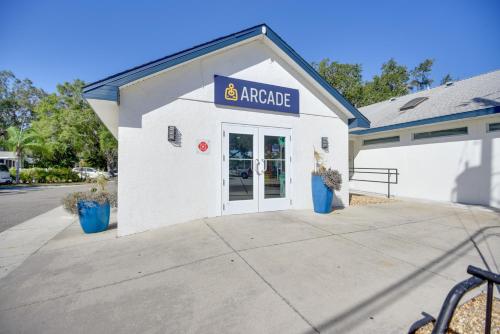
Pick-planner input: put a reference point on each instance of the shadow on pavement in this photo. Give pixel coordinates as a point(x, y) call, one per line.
point(353, 316)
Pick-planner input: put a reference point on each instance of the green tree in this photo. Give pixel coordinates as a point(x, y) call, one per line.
point(18, 99)
point(421, 75)
point(21, 141)
point(392, 82)
point(59, 134)
point(446, 78)
point(108, 148)
point(72, 130)
point(346, 78)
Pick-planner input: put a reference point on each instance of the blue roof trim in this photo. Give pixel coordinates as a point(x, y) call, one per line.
point(355, 123)
point(107, 88)
point(433, 120)
point(141, 71)
point(109, 93)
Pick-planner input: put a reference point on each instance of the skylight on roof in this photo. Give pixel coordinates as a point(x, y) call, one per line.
point(413, 103)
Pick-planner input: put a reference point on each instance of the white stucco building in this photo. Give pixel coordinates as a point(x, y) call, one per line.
point(226, 127)
point(8, 158)
point(445, 143)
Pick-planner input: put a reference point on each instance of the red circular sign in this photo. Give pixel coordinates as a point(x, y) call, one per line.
point(203, 146)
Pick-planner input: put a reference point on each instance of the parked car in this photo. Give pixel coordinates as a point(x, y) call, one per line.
point(244, 173)
point(90, 173)
point(5, 175)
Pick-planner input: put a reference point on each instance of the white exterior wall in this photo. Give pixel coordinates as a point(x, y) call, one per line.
point(161, 184)
point(463, 169)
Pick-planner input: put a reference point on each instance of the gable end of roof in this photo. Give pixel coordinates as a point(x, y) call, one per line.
point(108, 88)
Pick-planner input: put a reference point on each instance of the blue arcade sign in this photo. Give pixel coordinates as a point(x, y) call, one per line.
point(255, 95)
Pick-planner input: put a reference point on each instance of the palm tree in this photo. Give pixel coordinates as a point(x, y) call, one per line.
point(20, 141)
point(420, 75)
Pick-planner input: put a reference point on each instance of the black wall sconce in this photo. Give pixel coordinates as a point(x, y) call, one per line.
point(324, 143)
point(172, 133)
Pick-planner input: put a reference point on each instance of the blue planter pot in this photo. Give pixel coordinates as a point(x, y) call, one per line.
point(322, 195)
point(94, 217)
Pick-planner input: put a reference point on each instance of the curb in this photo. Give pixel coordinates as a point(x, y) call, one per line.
point(23, 240)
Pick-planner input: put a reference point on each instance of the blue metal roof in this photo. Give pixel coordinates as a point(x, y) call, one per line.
point(108, 88)
point(431, 120)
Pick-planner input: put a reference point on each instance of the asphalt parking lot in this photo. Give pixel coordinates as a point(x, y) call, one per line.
point(367, 269)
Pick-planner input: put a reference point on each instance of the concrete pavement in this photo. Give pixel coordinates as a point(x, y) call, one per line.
point(23, 240)
point(369, 269)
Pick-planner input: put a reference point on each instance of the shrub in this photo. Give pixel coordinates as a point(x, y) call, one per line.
point(70, 202)
point(25, 176)
point(331, 178)
point(45, 175)
point(40, 175)
point(96, 194)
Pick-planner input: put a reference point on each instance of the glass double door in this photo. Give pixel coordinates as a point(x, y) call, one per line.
point(256, 169)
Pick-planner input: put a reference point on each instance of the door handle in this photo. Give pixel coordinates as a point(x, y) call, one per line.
point(264, 163)
point(257, 165)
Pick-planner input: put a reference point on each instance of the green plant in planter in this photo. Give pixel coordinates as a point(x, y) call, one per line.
point(323, 182)
point(331, 178)
point(92, 207)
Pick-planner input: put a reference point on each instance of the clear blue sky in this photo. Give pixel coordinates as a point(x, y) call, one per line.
point(55, 41)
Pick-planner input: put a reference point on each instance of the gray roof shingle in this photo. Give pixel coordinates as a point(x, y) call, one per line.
point(479, 92)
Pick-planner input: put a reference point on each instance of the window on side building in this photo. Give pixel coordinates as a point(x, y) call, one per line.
point(441, 133)
point(493, 127)
point(380, 140)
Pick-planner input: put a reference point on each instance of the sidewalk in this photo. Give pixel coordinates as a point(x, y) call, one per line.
point(365, 269)
point(23, 240)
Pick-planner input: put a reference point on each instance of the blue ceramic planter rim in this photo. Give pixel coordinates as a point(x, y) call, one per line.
point(92, 202)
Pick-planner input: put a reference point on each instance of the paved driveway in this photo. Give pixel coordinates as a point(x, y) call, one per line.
point(369, 269)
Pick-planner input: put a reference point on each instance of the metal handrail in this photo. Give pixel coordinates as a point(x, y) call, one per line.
point(479, 277)
point(379, 171)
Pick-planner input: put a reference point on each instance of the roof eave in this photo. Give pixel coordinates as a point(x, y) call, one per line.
point(358, 123)
point(432, 120)
point(108, 88)
point(136, 73)
point(106, 92)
